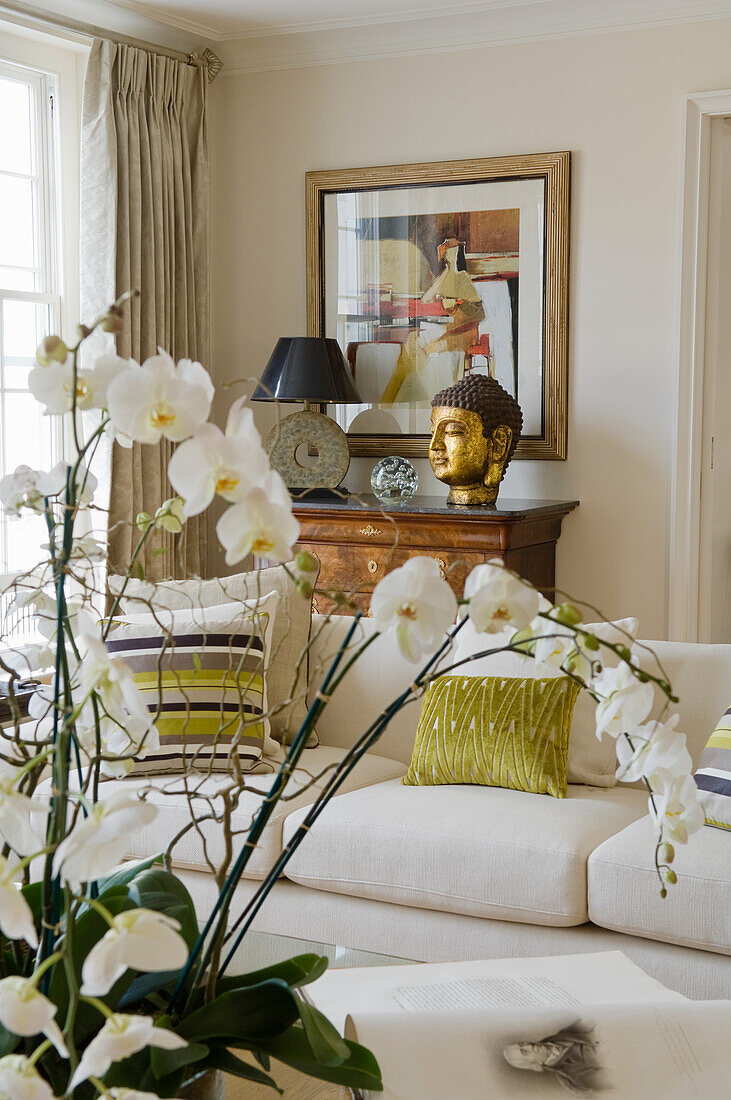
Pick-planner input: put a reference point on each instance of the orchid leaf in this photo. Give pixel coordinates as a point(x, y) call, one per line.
point(220, 1058)
point(164, 1062)
point(359, 1070)
point(254, 1013)
point(297, 971)
point(327, 1044)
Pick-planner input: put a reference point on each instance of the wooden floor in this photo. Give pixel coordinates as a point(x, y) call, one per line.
point(296, 1087)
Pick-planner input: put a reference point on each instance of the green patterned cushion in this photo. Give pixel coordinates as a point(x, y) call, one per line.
point(713, 777)
point(202, 674)
point(495, 732)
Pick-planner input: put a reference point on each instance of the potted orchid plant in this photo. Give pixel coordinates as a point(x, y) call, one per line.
point(110, 984)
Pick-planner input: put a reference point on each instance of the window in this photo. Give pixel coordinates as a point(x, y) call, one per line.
point(29, 287)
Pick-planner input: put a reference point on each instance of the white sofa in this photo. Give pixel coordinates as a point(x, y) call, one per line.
point(459, 872)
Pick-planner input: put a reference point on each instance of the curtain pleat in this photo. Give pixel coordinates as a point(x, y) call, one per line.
point(160, 171)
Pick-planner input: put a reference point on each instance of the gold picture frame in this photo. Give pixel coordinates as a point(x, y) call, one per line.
point(547, 175)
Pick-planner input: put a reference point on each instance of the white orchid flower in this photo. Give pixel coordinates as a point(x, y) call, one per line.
point(20, 1080)
point(119, 744)
point(26, 1012)
point(26, 488)
point(15, 815)
point(230, 464)
point(259, 525)
point(86, 484)
point(139, 939)
point(674, 805)
point(110, 677)
point(16, 918)
point(86, 549)
point(416, 603)
point(53, 386)
point(159, 399)
point(655, 746)
point(625, 701)
point(98, 842)
point(499, 599)
point(121, 1037)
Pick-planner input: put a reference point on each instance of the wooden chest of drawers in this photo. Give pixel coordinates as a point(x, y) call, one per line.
point(358, 541)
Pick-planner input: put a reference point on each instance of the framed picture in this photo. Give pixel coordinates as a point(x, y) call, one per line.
point(427, 272)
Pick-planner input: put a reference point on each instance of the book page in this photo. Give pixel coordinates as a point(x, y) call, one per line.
point(599, 977)
point(675, 1050)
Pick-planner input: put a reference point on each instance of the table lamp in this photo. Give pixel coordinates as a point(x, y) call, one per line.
point(308, 369)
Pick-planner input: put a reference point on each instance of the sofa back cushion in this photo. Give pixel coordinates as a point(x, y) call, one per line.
point(700, 675)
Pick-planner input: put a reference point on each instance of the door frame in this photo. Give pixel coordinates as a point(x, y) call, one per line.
point(693, 368)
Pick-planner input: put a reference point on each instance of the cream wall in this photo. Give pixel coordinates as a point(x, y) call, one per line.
point(615, 100)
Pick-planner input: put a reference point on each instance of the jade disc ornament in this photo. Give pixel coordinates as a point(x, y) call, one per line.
point(320, 433)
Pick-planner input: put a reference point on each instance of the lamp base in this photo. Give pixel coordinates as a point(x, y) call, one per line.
point(323, 436)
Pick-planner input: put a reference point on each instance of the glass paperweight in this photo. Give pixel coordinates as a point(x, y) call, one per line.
point(394, 479)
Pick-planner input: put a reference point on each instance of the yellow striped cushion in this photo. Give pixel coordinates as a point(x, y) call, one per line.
point(714, 775)
point(496, 732)
point(202, 673)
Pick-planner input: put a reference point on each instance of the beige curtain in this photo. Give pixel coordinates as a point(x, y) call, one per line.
point(144, 142)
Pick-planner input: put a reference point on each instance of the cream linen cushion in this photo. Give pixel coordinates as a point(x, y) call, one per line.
point(167, 794)
point(590, 760)
point(288, 665)
point(481, 851)
point(624, 892)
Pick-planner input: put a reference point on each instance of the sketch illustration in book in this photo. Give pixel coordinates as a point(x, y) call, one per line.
point(570, 1058)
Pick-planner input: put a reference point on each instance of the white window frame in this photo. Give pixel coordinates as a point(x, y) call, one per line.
point(58, 68)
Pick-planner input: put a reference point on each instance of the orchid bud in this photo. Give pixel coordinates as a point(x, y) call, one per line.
point(51, 349)
point(567, 614)
point(170, 516)
point(623, 652)
point(669, 875)
point(304, 588)
point(143, 520)
point(663, 893)
point(590, 641)
point(666, 853)
point(305, 561)
point(113, 321)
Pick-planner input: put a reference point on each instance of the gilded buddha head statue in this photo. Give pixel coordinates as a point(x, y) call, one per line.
point(475, 429)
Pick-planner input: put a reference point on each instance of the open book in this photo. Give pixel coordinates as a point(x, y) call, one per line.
point(529, 1029)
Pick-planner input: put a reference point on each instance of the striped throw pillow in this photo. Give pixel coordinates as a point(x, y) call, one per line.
point(203, 674)
point(714, 775)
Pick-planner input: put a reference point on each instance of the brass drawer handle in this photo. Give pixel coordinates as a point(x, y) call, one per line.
point(442, 567)
point(372, 566)
point(370, 531)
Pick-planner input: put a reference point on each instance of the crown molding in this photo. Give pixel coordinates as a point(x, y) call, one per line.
point(497, 26)
point(427, 11)
point(167, 18)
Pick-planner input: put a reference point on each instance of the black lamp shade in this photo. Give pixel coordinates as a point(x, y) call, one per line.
point(307, 368)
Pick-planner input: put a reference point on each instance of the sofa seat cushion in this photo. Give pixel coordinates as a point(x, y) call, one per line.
point(167, 793)
point(624, 892)
point(481, 851)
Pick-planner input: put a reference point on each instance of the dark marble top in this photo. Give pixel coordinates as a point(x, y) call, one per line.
point(423, 505)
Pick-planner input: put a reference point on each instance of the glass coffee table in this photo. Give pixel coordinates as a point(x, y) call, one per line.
point(260, 949)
